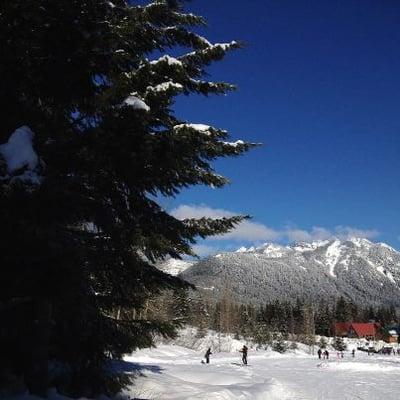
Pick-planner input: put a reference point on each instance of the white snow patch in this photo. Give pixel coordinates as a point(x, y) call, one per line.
point(383, 271)
point(18, 152)
point(136, 103)
point(332, 256)
point(174, 266)
point(241, 250)
point(198, 127)
point(170, 60)
point(163, 87)
point(234, 144)
point(386, 246)
point(204, 40)
point(305, 247)
point(225, 46)
point(360, 242)
point(272, 250)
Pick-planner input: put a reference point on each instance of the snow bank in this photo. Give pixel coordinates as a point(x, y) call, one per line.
point(177, 373)
point(188, 337)
point(226, 343)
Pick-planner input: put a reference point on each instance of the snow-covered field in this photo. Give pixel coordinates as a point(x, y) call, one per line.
point(174, 372)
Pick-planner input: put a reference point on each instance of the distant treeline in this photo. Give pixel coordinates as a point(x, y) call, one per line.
point(288, 318)
point(298, 320)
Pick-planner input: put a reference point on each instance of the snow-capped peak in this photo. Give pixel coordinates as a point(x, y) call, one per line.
point(241, 250)
point(366, 272)
point(360, 242)
point(384, 245)
point(305, 246)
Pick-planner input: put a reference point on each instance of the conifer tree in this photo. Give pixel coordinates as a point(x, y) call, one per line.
point(83, 225)
point(343, 310)
point(339, 344)
point(279, 343)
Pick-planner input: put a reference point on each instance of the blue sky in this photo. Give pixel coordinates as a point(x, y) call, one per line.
point(319, 85)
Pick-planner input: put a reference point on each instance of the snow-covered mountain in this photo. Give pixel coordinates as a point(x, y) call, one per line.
point(366, 272)
point(173, 266)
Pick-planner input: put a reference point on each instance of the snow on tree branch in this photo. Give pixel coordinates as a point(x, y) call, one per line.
point(21, 160)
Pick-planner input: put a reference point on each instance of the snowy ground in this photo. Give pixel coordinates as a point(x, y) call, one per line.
point(174, 372)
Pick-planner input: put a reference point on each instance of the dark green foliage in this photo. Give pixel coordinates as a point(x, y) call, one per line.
point(323, 320)
point(299, 321)
point(339, 344)
point(343, 310)
point(322, 343)
point(279, 343)
point(78, 249)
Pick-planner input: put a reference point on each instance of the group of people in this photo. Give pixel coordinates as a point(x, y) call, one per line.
point(324, 354)
point(243, 350)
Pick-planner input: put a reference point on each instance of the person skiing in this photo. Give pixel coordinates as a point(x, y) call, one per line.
point(326, 352)
point(319, 353)
point(353, 352)
point(207, 355)
point(244, 354)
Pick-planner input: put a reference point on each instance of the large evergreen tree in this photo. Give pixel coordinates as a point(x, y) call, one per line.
point(82, 226)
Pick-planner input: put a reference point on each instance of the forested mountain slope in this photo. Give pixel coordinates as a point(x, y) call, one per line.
point(365, 272)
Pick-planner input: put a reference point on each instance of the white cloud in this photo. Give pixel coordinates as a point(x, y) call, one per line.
point(203, 250)
point(247, 230)
point(198, 211)
point(346, 232)
point(251, 231)
point(320, 233)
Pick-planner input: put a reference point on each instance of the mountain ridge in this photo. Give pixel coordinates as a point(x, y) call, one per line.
point(363, 271)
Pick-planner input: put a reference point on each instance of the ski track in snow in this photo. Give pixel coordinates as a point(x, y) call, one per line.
point(173, 372)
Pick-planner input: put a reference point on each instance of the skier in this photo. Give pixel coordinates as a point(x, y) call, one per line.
point(207, 355)
point(244, 354)
point(319, 353)
point(353, 352)
point(326, 353)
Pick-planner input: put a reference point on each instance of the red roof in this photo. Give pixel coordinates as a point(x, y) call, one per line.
point(361, 329)
point(364, 329)
point(342, 327)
